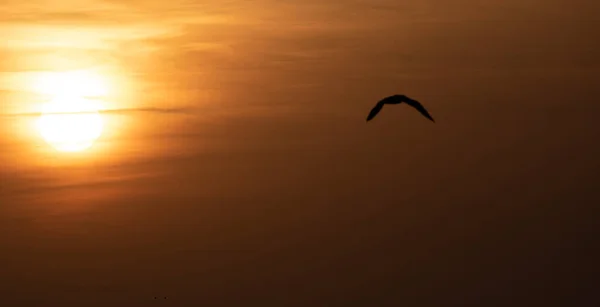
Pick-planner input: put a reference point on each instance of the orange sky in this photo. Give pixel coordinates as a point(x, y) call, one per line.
point(240, 125)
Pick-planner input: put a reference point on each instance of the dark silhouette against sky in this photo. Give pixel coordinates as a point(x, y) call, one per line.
point(397, 99)
point(235, 167)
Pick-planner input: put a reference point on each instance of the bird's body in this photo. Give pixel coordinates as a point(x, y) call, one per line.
point(397, 99)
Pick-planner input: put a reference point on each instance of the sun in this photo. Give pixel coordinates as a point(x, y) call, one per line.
point(70, 122)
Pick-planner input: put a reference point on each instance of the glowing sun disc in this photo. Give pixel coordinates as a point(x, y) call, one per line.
point(70, 124)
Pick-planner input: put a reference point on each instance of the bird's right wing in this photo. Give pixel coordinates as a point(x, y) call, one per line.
point(375, 110)
point(417, 105)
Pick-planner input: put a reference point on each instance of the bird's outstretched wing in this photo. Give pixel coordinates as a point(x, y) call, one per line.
point(375, 110)
point(417, 105)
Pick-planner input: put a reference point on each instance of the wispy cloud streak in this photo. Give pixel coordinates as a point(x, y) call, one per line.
point(114, 111)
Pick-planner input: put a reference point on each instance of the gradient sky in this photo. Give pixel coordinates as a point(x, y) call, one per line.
point(236, 166)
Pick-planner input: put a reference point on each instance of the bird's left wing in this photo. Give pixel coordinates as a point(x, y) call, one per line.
point(375, 110)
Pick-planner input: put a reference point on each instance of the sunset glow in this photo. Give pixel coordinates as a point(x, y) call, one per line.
point(298, 153)
point(79, 83)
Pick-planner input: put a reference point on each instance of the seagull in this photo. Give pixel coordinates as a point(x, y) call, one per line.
point(396, 99)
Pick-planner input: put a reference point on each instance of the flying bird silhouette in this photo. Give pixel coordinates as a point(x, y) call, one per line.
point(396, 99)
